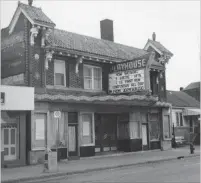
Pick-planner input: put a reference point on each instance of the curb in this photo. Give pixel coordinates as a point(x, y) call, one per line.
point(62, 174)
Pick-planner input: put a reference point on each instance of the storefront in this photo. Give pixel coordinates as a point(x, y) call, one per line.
point(16, 104)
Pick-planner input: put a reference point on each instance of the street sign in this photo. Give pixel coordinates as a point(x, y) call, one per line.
point(57, 114)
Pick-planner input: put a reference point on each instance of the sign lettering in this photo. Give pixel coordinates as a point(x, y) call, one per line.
point(126, 82)
point(137, 63)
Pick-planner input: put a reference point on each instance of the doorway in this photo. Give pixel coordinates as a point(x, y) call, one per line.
point(10, 136)
point(72, 135)
point(106, 132)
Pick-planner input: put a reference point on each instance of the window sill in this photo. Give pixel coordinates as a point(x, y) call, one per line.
point(38, 149)
point(167, 139)
point(85, 145)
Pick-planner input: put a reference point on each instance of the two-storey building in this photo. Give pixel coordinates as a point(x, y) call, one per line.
point(91, 95)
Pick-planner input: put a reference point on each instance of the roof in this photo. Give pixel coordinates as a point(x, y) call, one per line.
point(74, 41)
point(181, 99)
point(159, 46)
point(33, 14)
point(193, 86)
point(12, 39)
point(36, 14)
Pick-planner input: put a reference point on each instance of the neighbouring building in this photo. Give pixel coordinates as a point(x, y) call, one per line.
point(91, 95)
point(16, 106)
point(193, 89)
point(185, 114)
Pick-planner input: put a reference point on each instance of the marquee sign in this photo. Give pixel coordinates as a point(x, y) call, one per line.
point(128, 76)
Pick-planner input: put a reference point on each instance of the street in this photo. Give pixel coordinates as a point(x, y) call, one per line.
point(181, 170)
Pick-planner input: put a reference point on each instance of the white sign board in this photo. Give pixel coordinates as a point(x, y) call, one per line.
point(126, 81)
point(17, 98)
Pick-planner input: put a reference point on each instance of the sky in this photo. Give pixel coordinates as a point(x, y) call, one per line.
point(176, 24)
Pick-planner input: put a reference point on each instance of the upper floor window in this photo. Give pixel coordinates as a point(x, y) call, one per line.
point(59, 73)
point(92, 77)
point(179, 119)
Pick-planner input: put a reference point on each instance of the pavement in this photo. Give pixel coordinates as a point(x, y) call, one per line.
point(185, 170)
point(84, 165)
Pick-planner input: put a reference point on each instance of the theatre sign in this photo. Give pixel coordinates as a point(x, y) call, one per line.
point(128, 76)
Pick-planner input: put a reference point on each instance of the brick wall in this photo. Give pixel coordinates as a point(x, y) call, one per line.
point(74, 80)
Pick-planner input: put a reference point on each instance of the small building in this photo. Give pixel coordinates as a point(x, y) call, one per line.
point(193, 89)
point(185, 114)
point(16, 106)
point(91, 95)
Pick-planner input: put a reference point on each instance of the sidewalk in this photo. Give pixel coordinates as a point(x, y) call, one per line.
point(35, 172)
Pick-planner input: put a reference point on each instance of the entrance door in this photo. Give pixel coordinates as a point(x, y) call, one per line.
point(144, 137)
point(10, 136)
point(72, 134)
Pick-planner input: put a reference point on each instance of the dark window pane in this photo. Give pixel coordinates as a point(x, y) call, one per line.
point(12, 150)
point(59, 79)
point(6, 151)
point(181, 120)
point(12, 136)
point(6, 137)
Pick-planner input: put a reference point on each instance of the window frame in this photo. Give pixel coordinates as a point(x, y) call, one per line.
point(93, 77)
point(92, 126)
point(61, 61)
point(179, 116)
point(33, 132)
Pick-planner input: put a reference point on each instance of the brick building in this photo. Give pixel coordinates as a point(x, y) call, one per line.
point(112, 97)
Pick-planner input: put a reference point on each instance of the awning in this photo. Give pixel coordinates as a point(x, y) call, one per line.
point(133, 100)
point(191, 112)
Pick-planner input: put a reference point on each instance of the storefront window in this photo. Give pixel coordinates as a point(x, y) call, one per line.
point(154, 126)
point(39, 131)
point(123, 130)
point(134, 130)
point(166, 126)
point(87, 128)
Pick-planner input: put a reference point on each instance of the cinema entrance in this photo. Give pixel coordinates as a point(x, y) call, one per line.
point(105, 132)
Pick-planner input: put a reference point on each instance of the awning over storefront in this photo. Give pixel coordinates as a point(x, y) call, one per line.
point(191, 112)
point(107, 99)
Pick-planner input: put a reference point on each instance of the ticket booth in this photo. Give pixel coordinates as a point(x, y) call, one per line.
point(16, 105)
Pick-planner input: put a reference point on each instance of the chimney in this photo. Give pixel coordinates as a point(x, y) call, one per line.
point(181, 88)
point(106, 28)
point(30, 2)
point(154, 36)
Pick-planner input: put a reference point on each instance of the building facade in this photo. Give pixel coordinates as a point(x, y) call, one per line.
point(185, 115)
point(91, 95)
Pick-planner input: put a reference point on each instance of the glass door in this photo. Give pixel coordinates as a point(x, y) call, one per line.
point(10, 135)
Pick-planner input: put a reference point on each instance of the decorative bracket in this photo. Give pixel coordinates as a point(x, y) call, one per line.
point(78, 62)
point(45, 35)
point(164, 59)
point(34, 33)
point(48, 58)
